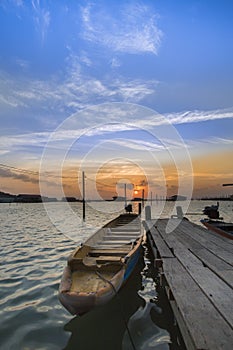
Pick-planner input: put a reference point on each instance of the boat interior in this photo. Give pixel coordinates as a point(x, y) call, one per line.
point(103, 254)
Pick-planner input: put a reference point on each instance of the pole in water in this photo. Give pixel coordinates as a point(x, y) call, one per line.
point(148, 212)
point(139, 208)
point(83, 185)
point(125, 196)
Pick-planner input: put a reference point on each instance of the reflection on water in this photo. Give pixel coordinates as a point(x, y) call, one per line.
point(33, 254)
point(143, 334)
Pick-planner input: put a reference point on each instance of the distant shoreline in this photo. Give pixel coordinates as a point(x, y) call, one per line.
point(36, 198)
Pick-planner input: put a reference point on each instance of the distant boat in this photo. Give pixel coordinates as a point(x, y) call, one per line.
point(97, 269)
point(215, 223)
point(177, 197)
point(212, 211)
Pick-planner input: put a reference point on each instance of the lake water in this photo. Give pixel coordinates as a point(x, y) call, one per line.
point(35, 243)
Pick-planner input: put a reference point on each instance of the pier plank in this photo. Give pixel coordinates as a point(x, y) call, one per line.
point(220, 241)
point(200, 278)
point(205, 325)
point(163, 248)
point(219, 251)
point(222, 268)
point(192, 232)
point(214, 288)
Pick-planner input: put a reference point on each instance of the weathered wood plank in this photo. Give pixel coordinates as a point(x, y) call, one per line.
point(219, 240)
point(119, 238)
point(215, 289)
point(171, 224)
point(208, 258)
point(205, 324)
point(222, 269)
point(161, 245)
point(224, 254)
point(115, 252)
point(106, 259)
point(188, 340)
point(193, 232)
point(200, 276)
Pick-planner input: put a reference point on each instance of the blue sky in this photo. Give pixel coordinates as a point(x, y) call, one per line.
point(59, 57)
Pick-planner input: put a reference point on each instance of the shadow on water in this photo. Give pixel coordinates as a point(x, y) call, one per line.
point(131, 321)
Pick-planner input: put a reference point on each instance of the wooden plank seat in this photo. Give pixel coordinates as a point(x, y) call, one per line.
point(112, 252)
point(114, 242)
point(105, 259)
point(122, 233)
point(93, 261)
point(125, 229)
point(126, 224)
point(119, 238)
point(111, 245)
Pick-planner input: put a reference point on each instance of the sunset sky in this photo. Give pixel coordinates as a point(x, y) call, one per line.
point(135, 92)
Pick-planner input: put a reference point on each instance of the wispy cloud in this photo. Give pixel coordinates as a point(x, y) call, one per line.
point(138, 145)
point(115, 62)
point(76, 91)
point(41, 18)
point(84, 58)
point(66, 138)
point(18, 3)
point(15, 3)
point(199, 116)
point(132, 28)
point(211, 142)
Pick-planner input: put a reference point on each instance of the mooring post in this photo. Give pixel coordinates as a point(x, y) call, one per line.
point(84, 208)
point(139, 208)
point(148, 212)
point(125, 195)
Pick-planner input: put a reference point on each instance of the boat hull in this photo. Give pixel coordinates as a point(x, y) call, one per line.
point(95, 273)
point(220, 227)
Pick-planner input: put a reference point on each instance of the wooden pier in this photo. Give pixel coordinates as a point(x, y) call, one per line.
point(196, 269)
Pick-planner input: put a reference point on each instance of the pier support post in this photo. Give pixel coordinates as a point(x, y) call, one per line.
point(148, 212)
point(139, 208)
point(84, 201)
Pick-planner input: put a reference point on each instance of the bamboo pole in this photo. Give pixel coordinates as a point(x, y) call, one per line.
point(83, 190)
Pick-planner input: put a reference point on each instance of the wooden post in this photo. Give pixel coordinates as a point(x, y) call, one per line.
point(139, 208)
point(148, 212)
point(125, 195)
point(143, 197)
point(83, 185)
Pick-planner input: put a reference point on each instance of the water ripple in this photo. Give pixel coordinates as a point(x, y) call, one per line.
point(33, 254)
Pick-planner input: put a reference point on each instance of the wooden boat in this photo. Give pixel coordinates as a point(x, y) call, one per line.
point(224, 229)
point(215, 223)
point(97, 269)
